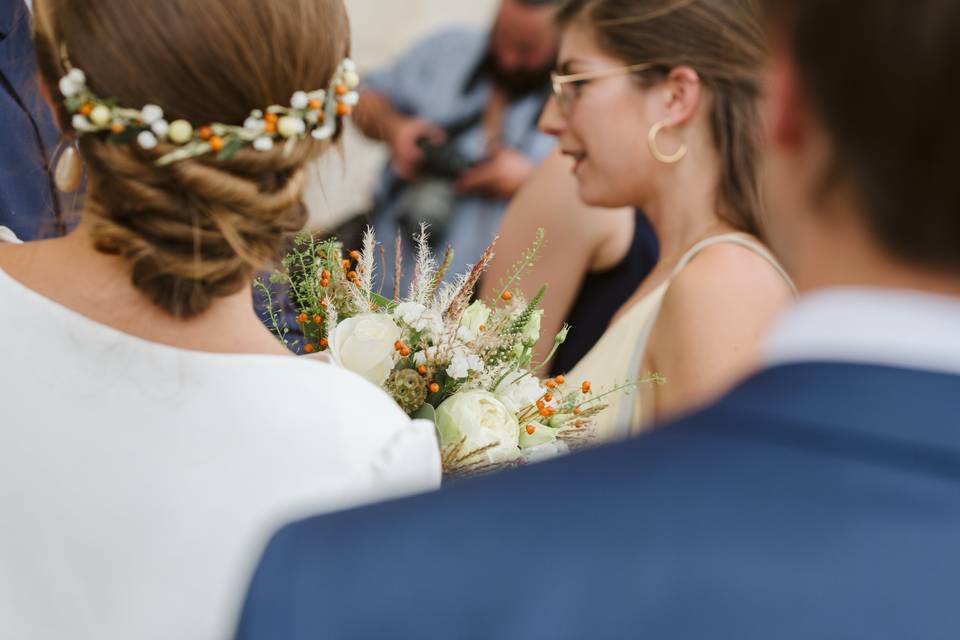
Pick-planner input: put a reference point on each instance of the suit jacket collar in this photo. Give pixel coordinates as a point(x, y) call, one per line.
point(11, 12)
point(861, 405)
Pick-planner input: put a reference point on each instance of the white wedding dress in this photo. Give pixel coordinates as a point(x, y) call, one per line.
point(139, 482)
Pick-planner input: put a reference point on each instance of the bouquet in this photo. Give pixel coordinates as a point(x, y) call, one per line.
point(466, 365)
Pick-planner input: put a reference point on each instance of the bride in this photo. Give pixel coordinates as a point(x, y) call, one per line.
point(656, 104)
point(152, 432)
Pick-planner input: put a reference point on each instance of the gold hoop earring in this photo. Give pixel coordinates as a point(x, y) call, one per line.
point(674, 158)
point(68, 173)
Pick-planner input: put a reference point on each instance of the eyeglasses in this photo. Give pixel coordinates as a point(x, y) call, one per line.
point(566, 89)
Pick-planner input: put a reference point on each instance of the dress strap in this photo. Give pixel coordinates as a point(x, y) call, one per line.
point(625, 419)
point(742, 239)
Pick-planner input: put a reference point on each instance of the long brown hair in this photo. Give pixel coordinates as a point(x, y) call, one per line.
point(722, 40)
point(197, 229)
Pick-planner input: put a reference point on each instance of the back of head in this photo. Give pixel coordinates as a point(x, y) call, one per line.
point(723, 41)
point(881, 79)
point(197, 229)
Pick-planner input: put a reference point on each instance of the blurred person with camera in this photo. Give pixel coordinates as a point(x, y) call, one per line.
point(459, 113)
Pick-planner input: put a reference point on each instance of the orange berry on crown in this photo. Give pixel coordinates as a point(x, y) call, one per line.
point(216, 143)
point(341, 90)
point(548, 397)
point(422, 370)
point(355, 254)
point(507, 296)
point(550, 384)
point(270, 127)
point(577, 411)
point(531, 429)
point(346, 264)
point(317, 319)
point(560, 379)
point(352, 275)
point(86, 109)
point(326, 275)
point(309, 348)
point(302, 318)
point(271, 118)
point(324, 283)
point(314, 104)
point(205, 133)
point(343, 110)
point(324, 343)
point(117, 128)
point(434, 388)
point(586, 387)
point(398, 346)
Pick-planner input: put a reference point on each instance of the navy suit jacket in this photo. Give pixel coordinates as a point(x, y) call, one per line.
point(815, 501)
point(29, 203)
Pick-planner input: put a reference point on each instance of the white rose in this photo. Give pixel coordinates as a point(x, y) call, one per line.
point(478, 418)
point(518, 391)
point(365, 345)
point(531, 332)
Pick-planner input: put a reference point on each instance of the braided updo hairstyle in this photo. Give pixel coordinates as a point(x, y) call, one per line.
point(201, 228)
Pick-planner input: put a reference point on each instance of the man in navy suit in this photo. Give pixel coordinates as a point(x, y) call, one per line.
point(820, 499)
point(29, 203)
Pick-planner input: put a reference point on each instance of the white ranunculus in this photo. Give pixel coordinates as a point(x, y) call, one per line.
point(531, 332)
point(365, 344)
point(518, 391)
point(478, 418)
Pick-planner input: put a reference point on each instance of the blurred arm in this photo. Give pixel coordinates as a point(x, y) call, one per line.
point(576, 240)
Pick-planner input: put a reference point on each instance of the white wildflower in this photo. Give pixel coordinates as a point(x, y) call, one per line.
point(519, 390)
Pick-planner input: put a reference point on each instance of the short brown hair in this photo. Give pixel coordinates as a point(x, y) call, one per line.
point(722, 40)
point(197, 229)
point(883, 77)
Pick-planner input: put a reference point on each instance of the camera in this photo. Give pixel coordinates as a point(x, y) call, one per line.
point(443, 161)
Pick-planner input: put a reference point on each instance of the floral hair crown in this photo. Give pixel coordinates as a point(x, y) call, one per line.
point(314, 113)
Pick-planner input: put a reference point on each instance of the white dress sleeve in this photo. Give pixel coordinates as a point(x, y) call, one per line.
point(409, 461)
point(8, 236)
point(394, 456)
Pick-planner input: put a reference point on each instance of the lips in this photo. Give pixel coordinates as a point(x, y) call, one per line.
point(578, 158)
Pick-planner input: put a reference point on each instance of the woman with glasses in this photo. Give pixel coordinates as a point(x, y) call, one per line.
point(655, 101)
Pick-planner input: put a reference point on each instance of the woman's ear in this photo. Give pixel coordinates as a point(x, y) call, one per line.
point(682, 93)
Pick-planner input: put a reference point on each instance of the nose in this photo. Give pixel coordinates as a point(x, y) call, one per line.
point(552, 121)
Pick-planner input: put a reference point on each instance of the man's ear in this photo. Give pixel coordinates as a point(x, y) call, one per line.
point(785, 108)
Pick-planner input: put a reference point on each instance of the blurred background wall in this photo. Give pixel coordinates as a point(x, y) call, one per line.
point(343, 183)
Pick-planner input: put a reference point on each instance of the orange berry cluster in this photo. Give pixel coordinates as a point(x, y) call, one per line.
point(402, 349)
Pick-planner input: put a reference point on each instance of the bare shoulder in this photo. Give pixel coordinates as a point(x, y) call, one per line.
point(725, 281)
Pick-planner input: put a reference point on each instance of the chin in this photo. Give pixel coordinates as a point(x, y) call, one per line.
point(596, 195)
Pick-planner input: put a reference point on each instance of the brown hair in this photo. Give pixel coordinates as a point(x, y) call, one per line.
point(200, 228)
point(722, 40)
point(883, 78)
